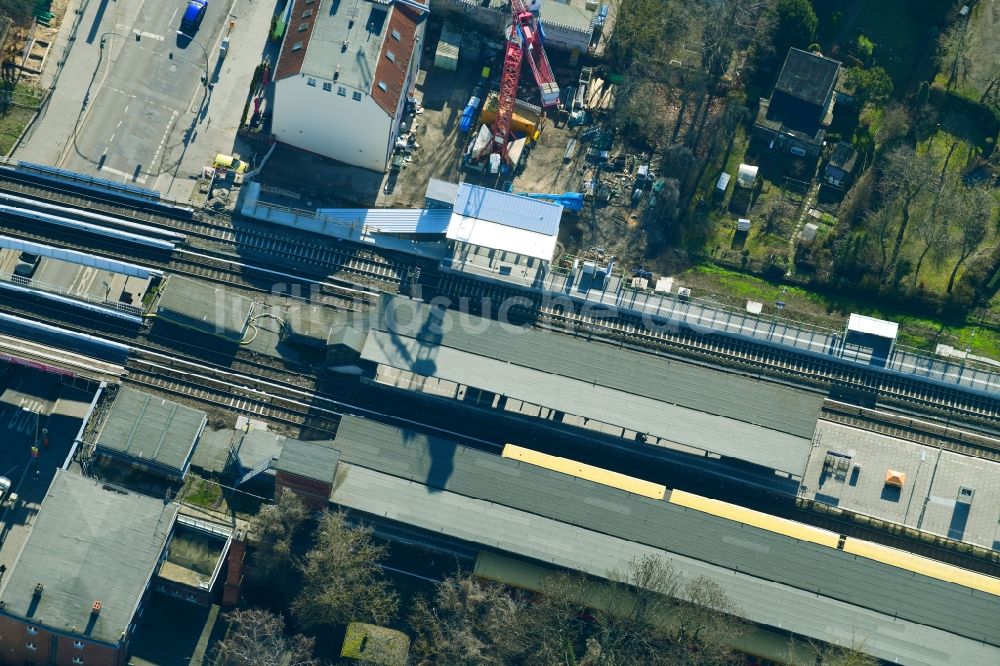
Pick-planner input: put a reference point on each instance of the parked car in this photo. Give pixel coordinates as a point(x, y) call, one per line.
point(5, 486)
point(27, 264)
point(229, 162)
point(194, 14)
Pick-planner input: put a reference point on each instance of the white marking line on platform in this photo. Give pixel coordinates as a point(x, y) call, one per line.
point(150, 35)
point(127, 176)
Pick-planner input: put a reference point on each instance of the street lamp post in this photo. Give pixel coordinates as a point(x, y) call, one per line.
point(181, 33)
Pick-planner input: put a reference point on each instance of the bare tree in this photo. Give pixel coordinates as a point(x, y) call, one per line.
point(275, 526)
point(654, 617)
point(880, 225)
point(905, 175)
point(342, 580)
point(469, 622)
point(973, 216)
point(953, 53)
point(646, 614)
point(257, 638)
point(932, 229)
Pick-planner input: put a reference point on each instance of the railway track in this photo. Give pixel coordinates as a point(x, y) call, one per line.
point(214, 266)
point(248, 236)
point(302, 376)
point(825, 374)
point(234, 393)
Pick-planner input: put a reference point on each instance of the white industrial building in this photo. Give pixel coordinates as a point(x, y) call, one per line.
point(501, 236)
point(344, 75)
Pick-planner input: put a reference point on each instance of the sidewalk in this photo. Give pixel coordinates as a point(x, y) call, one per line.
point(216, 133)
point(76, 54)
point(69, 71)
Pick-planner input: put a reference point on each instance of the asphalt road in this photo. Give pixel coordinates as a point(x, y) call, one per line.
point(147, 93)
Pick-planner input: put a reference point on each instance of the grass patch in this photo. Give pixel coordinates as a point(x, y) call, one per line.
point(734, 289)
point(202, 492)
point(24, 102)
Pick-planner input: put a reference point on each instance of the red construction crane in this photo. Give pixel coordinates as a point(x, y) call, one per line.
point(531, 31)
point(524, 36)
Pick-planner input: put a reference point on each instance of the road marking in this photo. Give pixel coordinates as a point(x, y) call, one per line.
point(112, 137)
point(127, 176)
point(163, 139)
point(149, 35)
point(172, 17)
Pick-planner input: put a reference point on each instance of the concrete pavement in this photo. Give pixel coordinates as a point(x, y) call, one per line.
point(146, 89)
point(186, 140)
point(216, 133)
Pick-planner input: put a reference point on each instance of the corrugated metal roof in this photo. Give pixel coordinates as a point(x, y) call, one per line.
point(491, 525)
point(258, 446)
point(312, 460)
point(89, 542)
point(151, 429)
point(655, 418)
point(566, 15)
point(753, 419)
point(390, 220)
point(509, 210)
point(824, 574)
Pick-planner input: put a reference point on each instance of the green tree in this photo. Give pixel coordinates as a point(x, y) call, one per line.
point(796, 25)
point(869, 86)
point(342, 579)
point(865, 48)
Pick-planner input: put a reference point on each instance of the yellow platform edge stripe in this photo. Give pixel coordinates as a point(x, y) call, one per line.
point(587, 472)
point(923, 565)
point(764, 521)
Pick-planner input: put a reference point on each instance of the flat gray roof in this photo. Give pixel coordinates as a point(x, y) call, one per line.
point(313, 321)
point(205, 308)
point(725, 413)
point(312, 460)
point(154, 430)
point(90, 542)
point(829, 578)
point(930, 500)
point(259, 446)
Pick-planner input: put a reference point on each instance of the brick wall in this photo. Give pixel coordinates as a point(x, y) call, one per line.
point(52, 648)
point(234, 571)
point(316, 494)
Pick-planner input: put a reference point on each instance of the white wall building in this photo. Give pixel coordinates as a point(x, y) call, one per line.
point(501, 236)
point(343, 77)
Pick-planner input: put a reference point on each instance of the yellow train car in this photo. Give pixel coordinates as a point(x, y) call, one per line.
point(764, 521)
point(923, 565)
point(790, 528)
point(588, 472)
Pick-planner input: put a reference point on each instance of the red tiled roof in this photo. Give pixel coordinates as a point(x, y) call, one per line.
point(290, 61)
point(392, 71)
